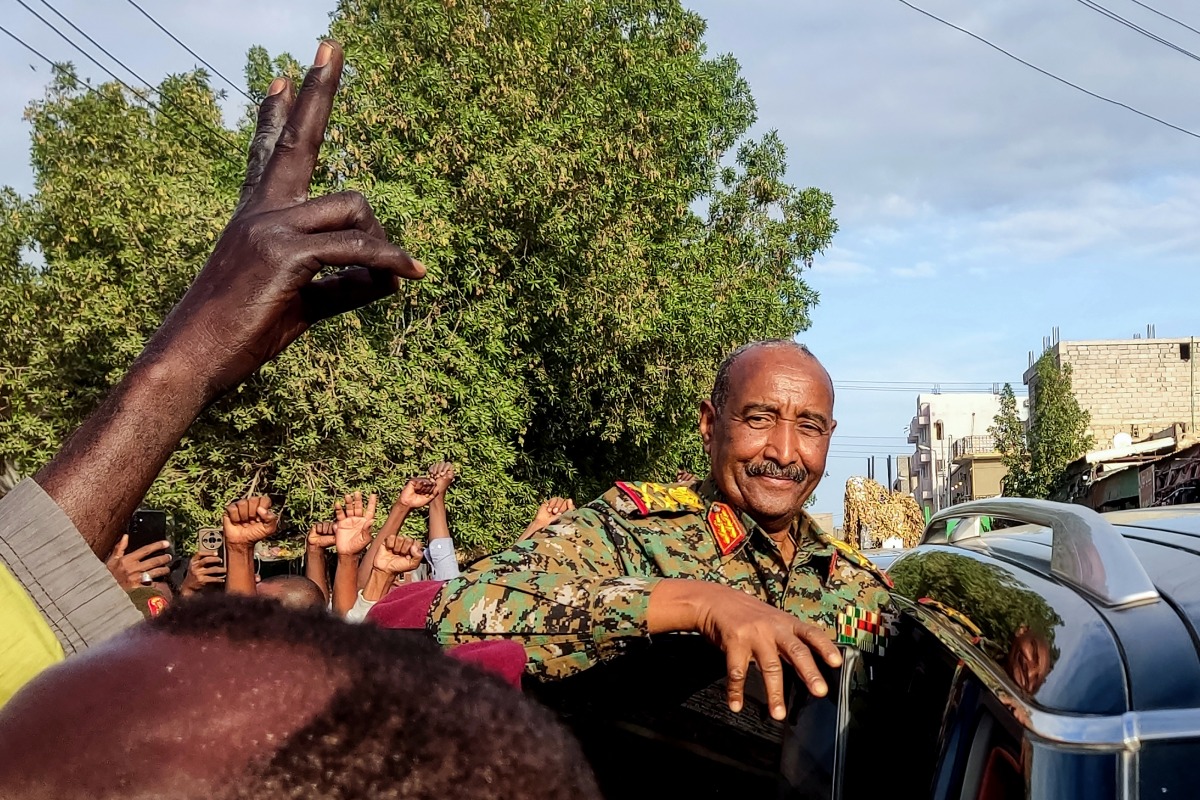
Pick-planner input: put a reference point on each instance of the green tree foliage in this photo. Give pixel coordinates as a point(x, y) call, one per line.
point(1009, 434)
point(1037, 458)
point(598, 232)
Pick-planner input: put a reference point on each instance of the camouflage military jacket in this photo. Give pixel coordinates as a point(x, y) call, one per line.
point(577, 592)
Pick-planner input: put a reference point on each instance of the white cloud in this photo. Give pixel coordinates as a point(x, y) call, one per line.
point(922, 269)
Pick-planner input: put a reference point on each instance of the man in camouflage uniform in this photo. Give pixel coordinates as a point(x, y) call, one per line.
point(734, 557)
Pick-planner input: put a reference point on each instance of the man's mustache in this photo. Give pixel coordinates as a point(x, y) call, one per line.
point(770, 469)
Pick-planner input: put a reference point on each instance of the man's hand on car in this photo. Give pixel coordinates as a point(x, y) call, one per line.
point(746, 629)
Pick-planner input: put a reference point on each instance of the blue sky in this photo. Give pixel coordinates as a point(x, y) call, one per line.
point(980, 203)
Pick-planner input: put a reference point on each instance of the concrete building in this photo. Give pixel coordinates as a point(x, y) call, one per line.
point(905, 480)
point(1136, 387)
point(976, 469)
point(942, 420)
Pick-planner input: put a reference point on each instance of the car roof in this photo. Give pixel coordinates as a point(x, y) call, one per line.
point(1158, 642)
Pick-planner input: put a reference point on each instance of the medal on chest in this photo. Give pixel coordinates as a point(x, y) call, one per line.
point(726, 528)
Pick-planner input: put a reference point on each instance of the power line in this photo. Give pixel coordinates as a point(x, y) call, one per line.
point(137, 94)
point(858, 457)
point(128, 69)
point(44, 57)
point(890, 438)
point(878, 446)
point(1164, 16)
point(926, 389)
point(1049, 74)
point(196, 55)
point(919, 384)
point(1115, 17)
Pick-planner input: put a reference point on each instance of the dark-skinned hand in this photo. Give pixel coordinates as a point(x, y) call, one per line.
point(321, 535)
point(442, 474)
point(746, 628)
point(398, 555)
point(128, 568)
point(257, 292)
point(259, 289)
point(204, 569)
point(549, 511)
point(248, 521)
point(352, 531)
point(417, 492)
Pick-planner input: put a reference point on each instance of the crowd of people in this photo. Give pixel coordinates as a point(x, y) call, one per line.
point(348, 565)
point(266, 688)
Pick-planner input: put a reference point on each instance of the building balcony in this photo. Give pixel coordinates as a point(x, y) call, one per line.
point(974, 446)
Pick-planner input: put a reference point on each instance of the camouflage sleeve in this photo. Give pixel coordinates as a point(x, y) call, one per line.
point(570, 596)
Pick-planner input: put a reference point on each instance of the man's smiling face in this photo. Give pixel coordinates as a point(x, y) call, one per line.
point(769, 440)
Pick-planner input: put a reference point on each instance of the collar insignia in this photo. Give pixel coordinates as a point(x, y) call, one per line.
point(725, 527)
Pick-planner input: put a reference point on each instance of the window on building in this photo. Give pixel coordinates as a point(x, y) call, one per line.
point(937, 431)
point(1185, 351)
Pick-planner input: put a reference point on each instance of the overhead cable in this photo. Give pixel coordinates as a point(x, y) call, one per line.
point(1164, 16)
point(128, 69)
point(139, 95)
point(1051, 75)
point(196, 55)
point(1133, 26)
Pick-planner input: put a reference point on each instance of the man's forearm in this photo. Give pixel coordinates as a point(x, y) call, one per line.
point(677, 604)
point(239, 569)
point(393, 524)
point(439, 526)
point(378, 585)
point(345, 583)
point(314, 569)
point(106, 467)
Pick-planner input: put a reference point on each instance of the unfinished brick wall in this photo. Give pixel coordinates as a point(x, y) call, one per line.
point(1134, 386)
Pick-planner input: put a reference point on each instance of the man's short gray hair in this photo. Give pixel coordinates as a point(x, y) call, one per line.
point(720, 390)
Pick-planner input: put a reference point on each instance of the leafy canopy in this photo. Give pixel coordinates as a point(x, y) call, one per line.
point(1057, 435)
point(598, 232)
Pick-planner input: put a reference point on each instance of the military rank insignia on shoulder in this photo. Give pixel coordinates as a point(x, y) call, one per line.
point(850, 553)
point(657, 498)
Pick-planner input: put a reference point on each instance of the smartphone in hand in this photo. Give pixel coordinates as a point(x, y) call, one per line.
point(147, 526)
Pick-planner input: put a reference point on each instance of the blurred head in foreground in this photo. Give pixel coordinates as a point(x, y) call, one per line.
point(224, 697)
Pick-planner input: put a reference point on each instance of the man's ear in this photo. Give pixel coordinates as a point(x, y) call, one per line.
point(708, 421)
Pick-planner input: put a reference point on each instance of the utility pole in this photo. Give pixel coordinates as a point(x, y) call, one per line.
point(889, 483)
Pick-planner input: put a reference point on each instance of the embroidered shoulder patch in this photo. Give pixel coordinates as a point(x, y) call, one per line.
point(855, 557)
point(726, 528)
point(656, 498)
